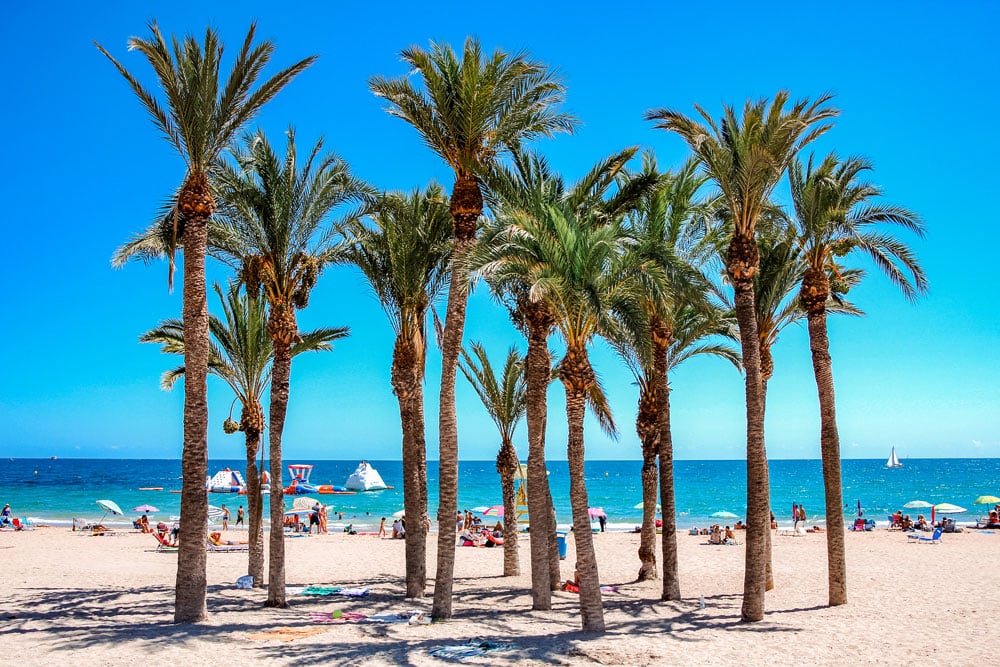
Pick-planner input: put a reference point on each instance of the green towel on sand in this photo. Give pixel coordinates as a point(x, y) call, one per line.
point(321, 590)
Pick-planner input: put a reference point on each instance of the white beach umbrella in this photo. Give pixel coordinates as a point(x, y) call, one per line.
point(724, 515)
point(399, 514)
point(638, 506)
point(948, 508)
point(918, 505)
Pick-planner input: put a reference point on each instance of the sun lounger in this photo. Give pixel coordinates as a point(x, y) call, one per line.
point(933, 539)
point(227, 548)
point(162, 544)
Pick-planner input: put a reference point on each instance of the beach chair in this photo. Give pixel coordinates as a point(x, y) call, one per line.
point(161, 542)
point(228, 548)
point(935, 538)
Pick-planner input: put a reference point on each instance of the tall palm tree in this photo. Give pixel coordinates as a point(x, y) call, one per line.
point(507, 258)
point(404, 255)
point(834, 216)
point(671, 239)
point(571, 260)
point(505, 399)
point(199, 115)
point(241, 356)
point(277, 213)
point(746, 157)
point(470, 110)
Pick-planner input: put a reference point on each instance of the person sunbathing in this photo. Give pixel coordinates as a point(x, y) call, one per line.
point(216, 539)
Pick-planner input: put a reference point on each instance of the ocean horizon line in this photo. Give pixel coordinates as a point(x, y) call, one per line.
point(487, 460)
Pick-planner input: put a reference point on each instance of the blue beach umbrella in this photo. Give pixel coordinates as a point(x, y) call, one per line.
point(110, 507)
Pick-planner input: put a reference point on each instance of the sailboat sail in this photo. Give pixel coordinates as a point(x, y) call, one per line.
point(893, 461)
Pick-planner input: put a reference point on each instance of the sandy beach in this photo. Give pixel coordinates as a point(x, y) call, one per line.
point(72, 598)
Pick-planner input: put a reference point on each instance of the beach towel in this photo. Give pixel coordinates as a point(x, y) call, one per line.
point(474, 649)
point(285, 634)
point(336, 616)
point(394, 617)
point(353, 592)
point(320, 590)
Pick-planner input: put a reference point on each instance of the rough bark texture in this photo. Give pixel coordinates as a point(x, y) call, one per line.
point(758, 502)
point(649, 437)
point(406, 372)
point(768, 569)
point(814, 292)
point(252, 423)
point(195, 205)
point(283, 329)
point(661, 343)
point(465, 214)
point(507, 465)
point(537, 373)
point(552, 542)
point(578, 377)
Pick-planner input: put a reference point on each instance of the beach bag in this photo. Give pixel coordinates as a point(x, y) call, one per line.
point(245, 582)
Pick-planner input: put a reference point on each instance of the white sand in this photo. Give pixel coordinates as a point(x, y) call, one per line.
point(74, 599)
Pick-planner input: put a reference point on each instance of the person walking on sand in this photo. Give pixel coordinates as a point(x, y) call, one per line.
point(239, 515)
point(381, 529)
point(795, 516)
point(225, 517)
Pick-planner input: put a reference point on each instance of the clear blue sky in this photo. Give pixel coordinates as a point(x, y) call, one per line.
point(84, 168)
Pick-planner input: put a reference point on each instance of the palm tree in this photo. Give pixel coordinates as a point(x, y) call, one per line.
point(275, 211)
point(506, 402)
point(834, 216)
point(746, 158)
point(199, 117)
point(671, 239)
point(241, 355)
point(404, 256)
point(507, 258)
point(471, 109)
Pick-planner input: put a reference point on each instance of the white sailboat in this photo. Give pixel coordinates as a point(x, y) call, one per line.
point(893, 461)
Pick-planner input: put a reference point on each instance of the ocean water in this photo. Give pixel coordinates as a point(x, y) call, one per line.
point(56, 491)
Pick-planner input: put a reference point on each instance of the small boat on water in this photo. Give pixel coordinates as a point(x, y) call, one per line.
point(300, 473)
point(365, 478)
point(334, 489)
point(893, 461)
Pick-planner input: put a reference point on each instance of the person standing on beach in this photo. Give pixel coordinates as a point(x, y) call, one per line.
point(795, 515)
point(239, 515)
point(802, 514)
point(5, 515)
point(225, 517)
point(381, 528)
point(603, 520)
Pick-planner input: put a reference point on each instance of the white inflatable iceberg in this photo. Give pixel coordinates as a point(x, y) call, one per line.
point(365, 478)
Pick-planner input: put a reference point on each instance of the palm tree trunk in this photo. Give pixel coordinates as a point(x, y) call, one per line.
point(537, 373)
point(645, 426)
point(406, 383)
point(819, 344)
point(577, 377)
point(191, 587)
point(255, 510)
point(758, 523)
point(671, 578)
point(767, 363)
point(281, 370)
point(507, 465)
point(458, 294)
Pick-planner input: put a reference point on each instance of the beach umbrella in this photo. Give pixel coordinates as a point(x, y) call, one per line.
point(399, 514)
point(918, 505)
point(724, 515)
point(214, 513)
point(638, 506)
point(986, 500)
point(496, 510)
point(303, 503)
point(948, 508)
point(110, 507)
point(145, 508)
point(596, 512)
point(480, 509)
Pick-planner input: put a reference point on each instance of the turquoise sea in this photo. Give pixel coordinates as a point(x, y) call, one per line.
point(56, 491)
